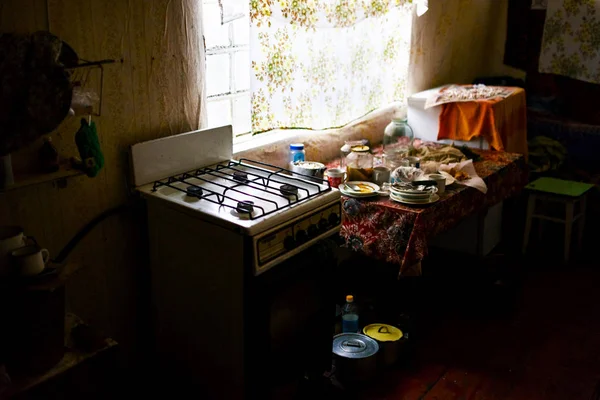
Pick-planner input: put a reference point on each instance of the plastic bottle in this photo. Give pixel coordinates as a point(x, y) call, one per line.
point(350, 316)
point(297, 152)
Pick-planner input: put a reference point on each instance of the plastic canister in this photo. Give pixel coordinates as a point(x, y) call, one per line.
point(297, 152)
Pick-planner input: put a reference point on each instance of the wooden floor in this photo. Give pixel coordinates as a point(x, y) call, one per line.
point(536, 338)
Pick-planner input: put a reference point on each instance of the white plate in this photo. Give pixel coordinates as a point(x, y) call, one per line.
point(358, 196)
point(346, 188)
point(433, 199)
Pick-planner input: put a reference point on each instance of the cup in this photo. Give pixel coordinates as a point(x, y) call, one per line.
point(440, 180)
point(30, 260)
point(11, 238)
point(411, 162)
point(381, 175)
point(335, 176)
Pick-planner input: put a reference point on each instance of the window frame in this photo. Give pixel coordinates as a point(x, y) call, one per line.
point(231, 50)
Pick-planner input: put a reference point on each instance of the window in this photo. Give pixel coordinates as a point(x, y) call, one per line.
point(227, 70)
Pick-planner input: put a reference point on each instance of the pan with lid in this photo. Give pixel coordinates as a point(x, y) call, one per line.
point(355, 357)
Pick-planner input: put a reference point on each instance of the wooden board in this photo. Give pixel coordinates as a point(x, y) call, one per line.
point(72, 358)
point(26, 179)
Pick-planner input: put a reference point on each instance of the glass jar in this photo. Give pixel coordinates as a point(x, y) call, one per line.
point(397, 136)
point(359, 164)
point(347, 149)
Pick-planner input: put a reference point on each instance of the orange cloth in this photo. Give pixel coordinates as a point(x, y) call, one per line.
point(502, 122)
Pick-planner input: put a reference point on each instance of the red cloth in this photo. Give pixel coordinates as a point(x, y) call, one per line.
point(397, 233)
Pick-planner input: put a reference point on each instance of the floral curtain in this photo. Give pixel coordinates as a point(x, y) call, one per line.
point(571, 41)
point(323, 63)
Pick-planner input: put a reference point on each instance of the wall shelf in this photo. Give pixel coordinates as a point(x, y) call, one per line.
point(26, 179)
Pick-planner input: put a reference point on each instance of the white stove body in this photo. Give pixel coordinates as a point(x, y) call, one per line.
point(202, 255)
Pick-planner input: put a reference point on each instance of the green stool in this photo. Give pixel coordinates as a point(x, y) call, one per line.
point(550, 190)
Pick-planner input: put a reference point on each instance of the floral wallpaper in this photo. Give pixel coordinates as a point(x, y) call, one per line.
point(571, 41)
point(324, 63)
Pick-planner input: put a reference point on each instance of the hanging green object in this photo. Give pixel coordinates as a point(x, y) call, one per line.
point(88, 145)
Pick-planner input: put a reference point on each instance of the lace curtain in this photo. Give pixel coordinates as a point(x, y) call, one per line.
point(323, 63)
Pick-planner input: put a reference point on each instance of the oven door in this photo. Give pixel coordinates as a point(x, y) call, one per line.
point(289, 320)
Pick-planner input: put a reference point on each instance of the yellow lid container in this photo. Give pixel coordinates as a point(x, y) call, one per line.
point(383, 332)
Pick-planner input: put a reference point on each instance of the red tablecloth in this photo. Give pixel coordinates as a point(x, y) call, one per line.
point(397, 233)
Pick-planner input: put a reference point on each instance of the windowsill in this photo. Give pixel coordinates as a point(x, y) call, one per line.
point(267, 139)
point(320, 145)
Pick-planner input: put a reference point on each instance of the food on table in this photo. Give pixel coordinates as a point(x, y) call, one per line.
point(458, 174)
point(362, 188)
point(359, 174)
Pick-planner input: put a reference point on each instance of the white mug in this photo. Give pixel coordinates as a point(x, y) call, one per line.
point(440, 180)
point(11, 238)
point(30, 260)
point(381, 175)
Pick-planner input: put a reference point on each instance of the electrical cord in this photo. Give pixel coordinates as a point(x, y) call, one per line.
point(64, 253)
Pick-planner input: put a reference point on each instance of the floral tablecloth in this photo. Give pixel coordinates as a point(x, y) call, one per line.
point(397, 233)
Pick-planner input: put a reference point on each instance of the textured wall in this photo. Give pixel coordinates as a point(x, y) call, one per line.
point(457, 41)
point(154, 90)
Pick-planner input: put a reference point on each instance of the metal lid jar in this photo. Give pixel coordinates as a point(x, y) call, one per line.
point(359, 164)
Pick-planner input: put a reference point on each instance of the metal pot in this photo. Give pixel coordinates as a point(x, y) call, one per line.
point(389, 339)
point(309, 169)
point(355, 357)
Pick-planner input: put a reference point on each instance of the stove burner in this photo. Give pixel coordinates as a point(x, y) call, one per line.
point(288, 190)
point(245, 207)
point(193, 191)
point(240, 176)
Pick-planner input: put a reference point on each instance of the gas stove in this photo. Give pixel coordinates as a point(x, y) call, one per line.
point(236, 248)
point(283, 211)
point(247, 195)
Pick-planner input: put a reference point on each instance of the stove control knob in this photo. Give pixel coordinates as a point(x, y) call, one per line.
point(301, 236)
point(333, 219)
point(289, 243)
point(323, 224)
point(312, 230)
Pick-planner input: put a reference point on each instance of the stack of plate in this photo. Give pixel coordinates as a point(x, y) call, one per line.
point(359, 189)
point(414, 195)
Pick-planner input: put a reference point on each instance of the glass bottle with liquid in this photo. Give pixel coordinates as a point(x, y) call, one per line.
point(359, 164)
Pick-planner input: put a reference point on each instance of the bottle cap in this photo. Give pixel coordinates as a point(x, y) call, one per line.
point(297, 146)
point(349, 298)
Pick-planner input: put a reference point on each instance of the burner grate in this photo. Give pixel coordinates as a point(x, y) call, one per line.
point(229, 172)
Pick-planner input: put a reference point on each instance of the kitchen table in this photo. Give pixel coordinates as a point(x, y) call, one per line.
point(399, 234)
